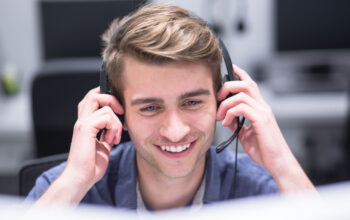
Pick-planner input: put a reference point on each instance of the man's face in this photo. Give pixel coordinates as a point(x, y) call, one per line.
point(170, 112)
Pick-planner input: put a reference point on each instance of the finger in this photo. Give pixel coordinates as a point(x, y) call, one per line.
point(102, 137)
point(108, 121)
point(95, 90)
point(104, 142)
point(248, 144)
point(83, 101)
point(118, 137)
point(94, 101)
point(241, 109)
point(234, 87)
point(112, 134)
point(103, 148)
point(92, 91)
point(234, 101)
point(234, 125)
point(243, 75)
point(103, 118)
point(102, 157)
point(245, 132)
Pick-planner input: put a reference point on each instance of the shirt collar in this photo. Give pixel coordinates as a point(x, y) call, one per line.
point(125, 187)
point(213, 180)
point(125, 191)
point(195, 205)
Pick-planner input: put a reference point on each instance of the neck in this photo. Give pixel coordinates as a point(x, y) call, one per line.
point(163, 192)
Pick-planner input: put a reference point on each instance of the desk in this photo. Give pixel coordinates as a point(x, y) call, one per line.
point(309, 108)
point(15, 132)
point(313, 126)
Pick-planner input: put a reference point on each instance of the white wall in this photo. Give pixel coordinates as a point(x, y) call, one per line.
point(249, 47)
point(19, 43)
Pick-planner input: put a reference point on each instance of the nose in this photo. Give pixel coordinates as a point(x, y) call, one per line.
point(173, 128)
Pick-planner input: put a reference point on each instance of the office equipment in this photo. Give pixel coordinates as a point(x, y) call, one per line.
point(71, 44)
point(73, 28)
point(56, 91)
point(311, 45)
point(312, 25)
point(32, 169)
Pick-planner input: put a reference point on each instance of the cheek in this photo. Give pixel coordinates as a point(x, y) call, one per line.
point(204, 120)
point(138, 127)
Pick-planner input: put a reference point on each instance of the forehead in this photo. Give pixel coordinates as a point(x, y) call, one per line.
point(143, 79)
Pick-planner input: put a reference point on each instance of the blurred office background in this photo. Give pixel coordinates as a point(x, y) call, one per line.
point(297, 51)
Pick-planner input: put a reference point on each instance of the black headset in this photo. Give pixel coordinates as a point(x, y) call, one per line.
point(105, 86)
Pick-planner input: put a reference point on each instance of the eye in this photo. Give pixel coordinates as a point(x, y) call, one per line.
point(150, 108)
point(192, 103)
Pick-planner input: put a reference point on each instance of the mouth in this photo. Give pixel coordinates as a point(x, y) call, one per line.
point(175, 149)
point(178, 150)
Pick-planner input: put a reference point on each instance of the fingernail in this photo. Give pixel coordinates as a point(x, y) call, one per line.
point(224, 122)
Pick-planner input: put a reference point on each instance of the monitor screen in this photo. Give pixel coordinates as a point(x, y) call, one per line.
point(72, 29)
point(312, 25)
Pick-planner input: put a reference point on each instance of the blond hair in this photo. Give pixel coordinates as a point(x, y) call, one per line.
point(160, 33)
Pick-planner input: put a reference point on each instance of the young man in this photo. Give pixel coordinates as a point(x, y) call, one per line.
point(164, 67)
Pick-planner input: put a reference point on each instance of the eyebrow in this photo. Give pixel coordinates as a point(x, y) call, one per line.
point(197, 92)
point(146, 101)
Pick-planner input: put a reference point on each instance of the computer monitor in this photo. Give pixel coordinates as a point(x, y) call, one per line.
point(312, 25)
point(311, 45)
point(72, 29)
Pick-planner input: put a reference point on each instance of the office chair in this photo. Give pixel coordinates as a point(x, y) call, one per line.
point(56, 91)
point(33, 168)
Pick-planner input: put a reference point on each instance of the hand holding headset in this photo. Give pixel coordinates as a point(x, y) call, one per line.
point(230, 76)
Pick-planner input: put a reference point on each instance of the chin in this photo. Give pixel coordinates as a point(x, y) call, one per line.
point(175, 174)
point(180, 169)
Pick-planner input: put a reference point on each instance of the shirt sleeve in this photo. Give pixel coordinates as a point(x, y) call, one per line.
point(254, 179)
point(44, 181)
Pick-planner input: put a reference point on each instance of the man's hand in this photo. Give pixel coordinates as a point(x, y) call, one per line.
point(88, 157)
point(262, 140)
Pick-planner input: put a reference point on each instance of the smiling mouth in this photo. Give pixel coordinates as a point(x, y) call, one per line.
point(175, 149)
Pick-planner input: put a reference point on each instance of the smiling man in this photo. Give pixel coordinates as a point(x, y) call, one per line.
point(164, 68)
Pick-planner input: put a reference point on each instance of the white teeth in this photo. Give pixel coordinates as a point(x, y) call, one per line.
point(174, 149)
